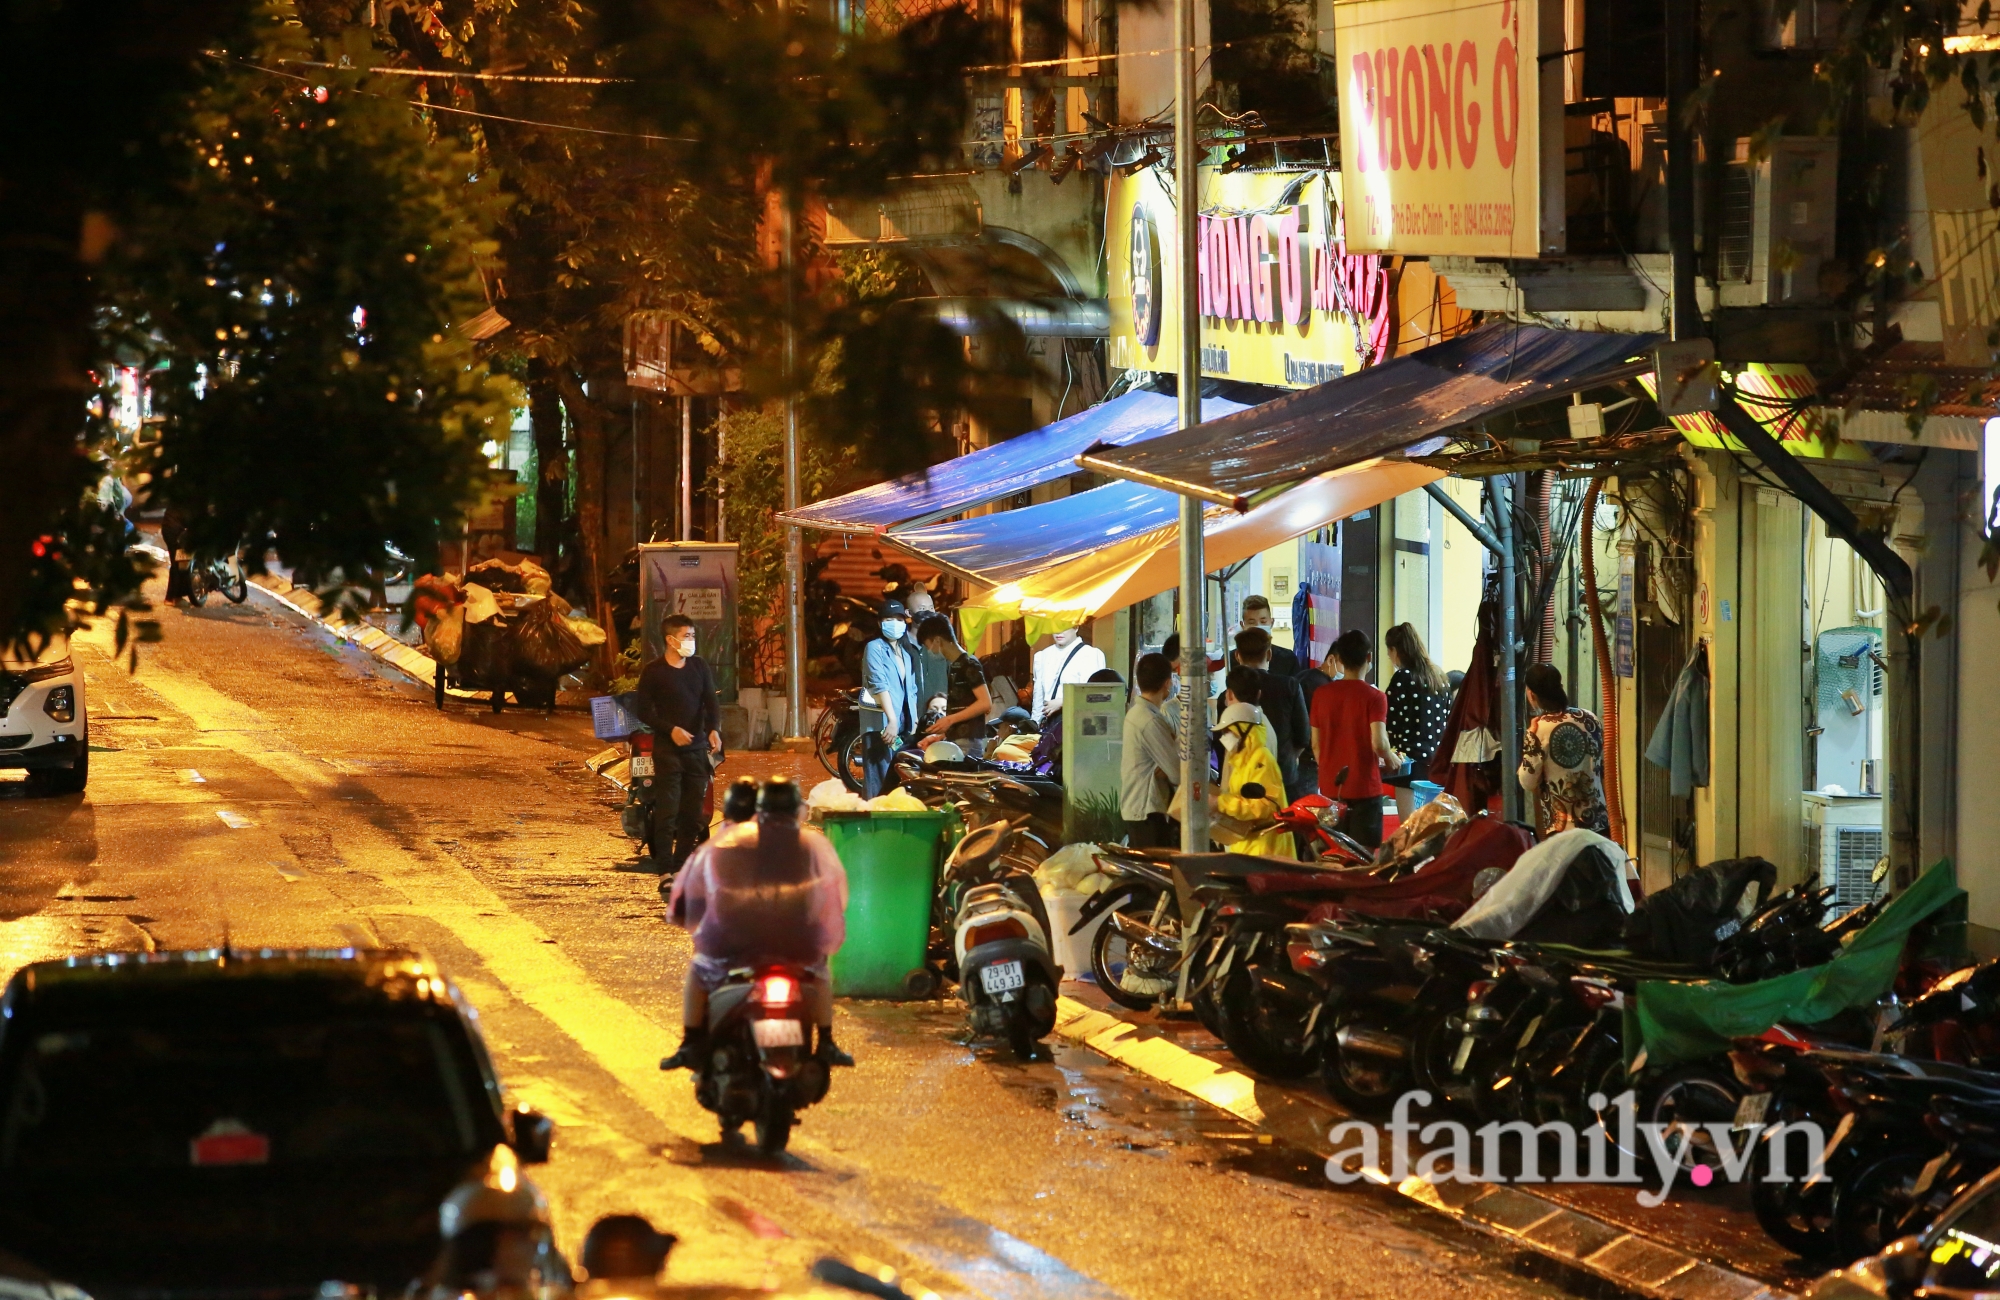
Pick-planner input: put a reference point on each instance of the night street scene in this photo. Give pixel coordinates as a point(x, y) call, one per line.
point(1102, 650)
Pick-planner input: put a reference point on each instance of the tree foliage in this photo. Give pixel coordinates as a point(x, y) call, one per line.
point(301, 290)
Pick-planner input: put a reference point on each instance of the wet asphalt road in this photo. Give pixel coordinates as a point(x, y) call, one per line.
point(257, 779)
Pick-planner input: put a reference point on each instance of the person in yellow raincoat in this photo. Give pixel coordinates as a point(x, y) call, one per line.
point(1251, 784)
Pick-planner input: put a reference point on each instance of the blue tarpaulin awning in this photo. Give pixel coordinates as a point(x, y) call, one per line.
point(1019, 463)
point(1011, 544)
point(1376, 411)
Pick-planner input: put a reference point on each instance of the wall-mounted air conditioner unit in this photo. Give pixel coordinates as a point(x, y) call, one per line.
point(1777, 222)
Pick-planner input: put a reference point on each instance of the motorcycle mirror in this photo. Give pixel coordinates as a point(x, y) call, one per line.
point(1880, 872)
point(533, 1133)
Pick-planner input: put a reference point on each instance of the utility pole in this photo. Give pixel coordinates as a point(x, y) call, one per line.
point(1510, 657)
point(1194, 637)
point(795, 613)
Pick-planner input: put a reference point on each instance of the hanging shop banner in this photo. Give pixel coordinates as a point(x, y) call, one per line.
point(1283, 301)
point(1451, 126)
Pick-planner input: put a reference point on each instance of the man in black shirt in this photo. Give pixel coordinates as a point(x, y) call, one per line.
point(967, 701)
point(677, 700)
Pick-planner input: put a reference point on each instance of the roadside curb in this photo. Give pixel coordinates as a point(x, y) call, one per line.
point(406, 659)
point(1556, 1232)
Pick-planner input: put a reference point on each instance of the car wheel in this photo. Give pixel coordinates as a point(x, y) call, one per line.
point(70, 780)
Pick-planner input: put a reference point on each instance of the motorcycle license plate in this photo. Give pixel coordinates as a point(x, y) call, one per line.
point(1463, 1054)
point(1002, 976)
point(1751, 1110)
point(642, 765)
point(778, 1033)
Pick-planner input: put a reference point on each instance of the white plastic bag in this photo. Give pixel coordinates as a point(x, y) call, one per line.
point(831, 795)
point(895, 801)
point(1064, 870)
point(479, 604)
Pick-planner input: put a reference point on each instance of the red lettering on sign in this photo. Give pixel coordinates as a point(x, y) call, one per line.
point(1361, 90)
point(1410, 97)
point(1506, 102)
point(1292, 273)
point(1465, 108)
point(1239, 270)
point(1259, 263)
point(1439, 95)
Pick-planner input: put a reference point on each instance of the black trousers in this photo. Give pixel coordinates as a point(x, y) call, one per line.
point(1158, 831)
point(680, 783)
point(1362, 821)
point(875, 775)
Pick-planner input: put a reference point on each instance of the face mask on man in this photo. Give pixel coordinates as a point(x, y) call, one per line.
point(686, 644)
point(892, 629)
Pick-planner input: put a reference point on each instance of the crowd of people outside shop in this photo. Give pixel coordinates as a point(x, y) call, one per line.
point(1286, 727)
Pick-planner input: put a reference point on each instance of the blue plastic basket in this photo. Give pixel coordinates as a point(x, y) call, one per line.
point(1422, 792)
point(611, 716)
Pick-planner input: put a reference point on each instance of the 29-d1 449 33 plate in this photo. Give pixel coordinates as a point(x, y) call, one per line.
point(1002, 976)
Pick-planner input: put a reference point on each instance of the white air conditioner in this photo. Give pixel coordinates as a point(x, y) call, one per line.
point(1844, 839)
point(1777, 222)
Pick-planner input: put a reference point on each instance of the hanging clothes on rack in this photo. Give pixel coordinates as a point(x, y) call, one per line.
point(1679, 742)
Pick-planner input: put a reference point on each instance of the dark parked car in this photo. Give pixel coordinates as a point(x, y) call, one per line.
point(208, 1122)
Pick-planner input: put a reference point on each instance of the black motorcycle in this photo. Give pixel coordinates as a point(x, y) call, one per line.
point(760, 1068)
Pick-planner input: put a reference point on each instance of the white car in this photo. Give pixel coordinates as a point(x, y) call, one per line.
point(43, 723)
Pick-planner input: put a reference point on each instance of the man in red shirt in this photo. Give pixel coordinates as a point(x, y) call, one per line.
point(1349, 720)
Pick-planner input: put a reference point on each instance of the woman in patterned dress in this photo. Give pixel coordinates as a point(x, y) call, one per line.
point(1419, 704)
point(1562, 758)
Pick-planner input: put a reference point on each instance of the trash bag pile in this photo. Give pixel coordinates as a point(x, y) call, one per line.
point(501, 627)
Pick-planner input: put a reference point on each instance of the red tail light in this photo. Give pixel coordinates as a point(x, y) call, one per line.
point(1596, 996)
point(994, 932)
point(642, 742)
point(777, 990)
point(1305, 958)
point(1477, 990)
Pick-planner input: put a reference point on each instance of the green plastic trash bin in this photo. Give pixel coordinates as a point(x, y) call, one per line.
point(891, 860)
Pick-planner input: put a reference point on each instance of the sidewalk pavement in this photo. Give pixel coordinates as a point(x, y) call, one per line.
point(1698, 1246)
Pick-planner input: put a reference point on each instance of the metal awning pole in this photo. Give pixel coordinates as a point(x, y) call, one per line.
point(1510, 657)
point(1194, 638)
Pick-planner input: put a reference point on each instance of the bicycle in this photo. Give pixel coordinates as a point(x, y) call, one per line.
point(837, 726)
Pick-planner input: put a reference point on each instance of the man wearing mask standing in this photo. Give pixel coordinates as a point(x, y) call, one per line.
point(1257, 613)
point(1071, 659)
point(677, 700)
point(889, 680)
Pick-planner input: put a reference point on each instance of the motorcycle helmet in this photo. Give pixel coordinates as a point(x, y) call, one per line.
point(739, 804)
point(779, 797)
point(944, 751)
point(624, 1246)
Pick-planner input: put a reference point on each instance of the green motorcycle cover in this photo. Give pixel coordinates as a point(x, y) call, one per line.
point(1674, 1021)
